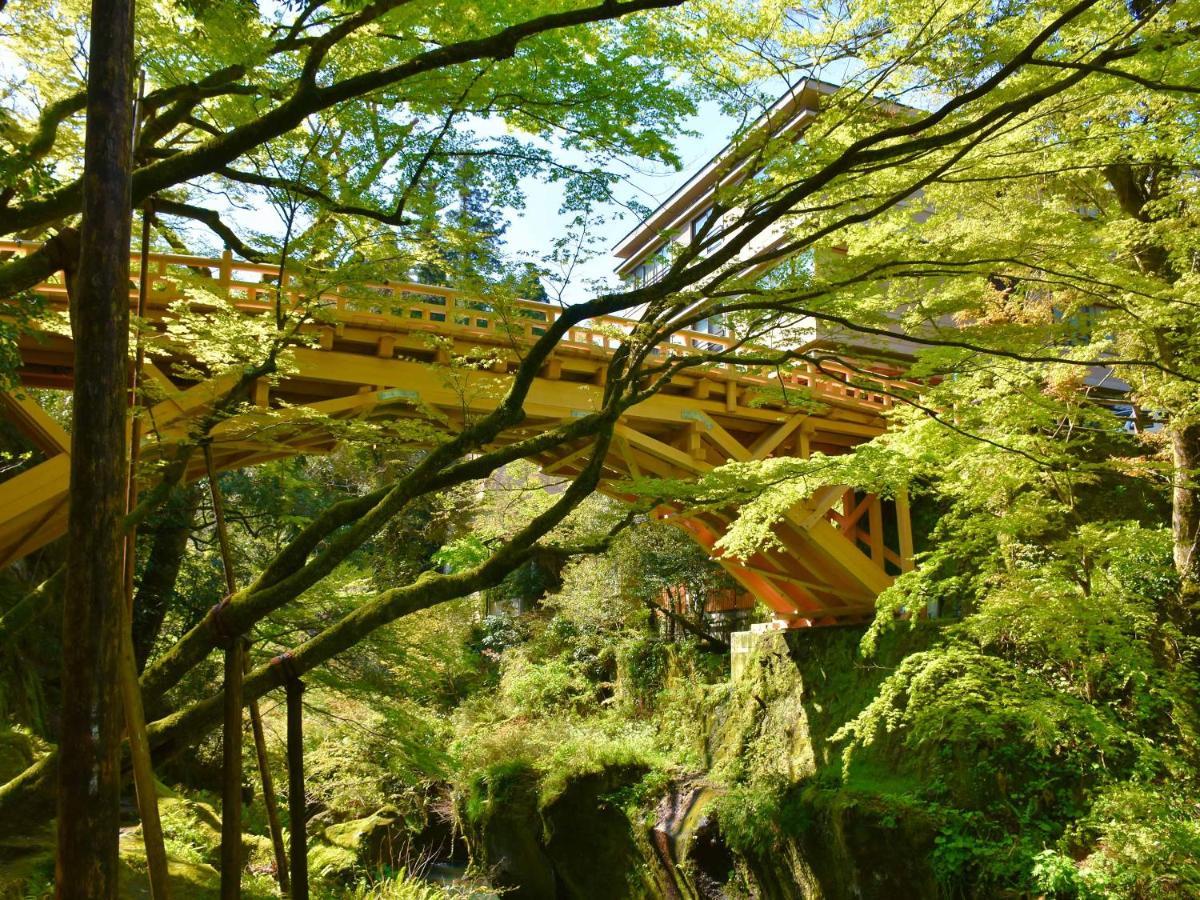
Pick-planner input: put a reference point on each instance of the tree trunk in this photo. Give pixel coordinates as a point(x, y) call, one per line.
point(1185, 518)
point(89, 768)
point(163, 563)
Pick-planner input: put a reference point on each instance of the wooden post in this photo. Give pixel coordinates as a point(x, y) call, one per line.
point(804, 441)
point(131, 692)
point(268, 790)
point(225, 276)
point(231, 775)
point(297, 819)
point(875, 523)
point(904, 530)
point(231, 772)
point(694, 442)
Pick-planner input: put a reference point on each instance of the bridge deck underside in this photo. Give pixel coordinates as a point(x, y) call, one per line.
point(829, 557)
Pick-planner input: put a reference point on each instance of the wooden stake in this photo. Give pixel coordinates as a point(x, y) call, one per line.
point(268, 790)
point(231, 773)
point(131, 692)
point(297, 823)
point(231, 849)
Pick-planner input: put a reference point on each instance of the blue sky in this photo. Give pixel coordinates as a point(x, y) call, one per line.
point(533, 230)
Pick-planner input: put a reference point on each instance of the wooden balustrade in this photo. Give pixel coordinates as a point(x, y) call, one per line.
point(414, 307)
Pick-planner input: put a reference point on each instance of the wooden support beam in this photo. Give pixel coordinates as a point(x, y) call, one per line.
point(627, 455)
point(553, 368)
point(729, 446)
point(386, 346)
point(701, 389)
point(571, 457)
point(659, 449)
point(852, 560)
point(804, 441)
point(692, 440)
point(823, 569)
point(731, 395)
point(875, 523)
point(766, 443)
point(35, 423)
point(904, 530)
point(813, 510)
point(848, 520)
point(814, 588)
point(262, 393)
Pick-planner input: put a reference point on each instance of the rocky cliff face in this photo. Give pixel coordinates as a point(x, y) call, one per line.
point(773, 815)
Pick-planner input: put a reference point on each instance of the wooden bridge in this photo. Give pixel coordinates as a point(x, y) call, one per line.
point(835, 551)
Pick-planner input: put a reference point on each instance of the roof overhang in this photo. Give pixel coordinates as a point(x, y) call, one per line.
point(788, 116)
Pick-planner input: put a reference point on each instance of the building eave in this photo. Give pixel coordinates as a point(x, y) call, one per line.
point(790, 114)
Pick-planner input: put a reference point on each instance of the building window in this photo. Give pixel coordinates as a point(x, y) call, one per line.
point(651, 270)
point(711, 325)
point(698, 225)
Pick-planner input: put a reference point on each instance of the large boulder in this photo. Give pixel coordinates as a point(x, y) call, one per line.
point(577, 844)
point(16, 753)
point(376, 841)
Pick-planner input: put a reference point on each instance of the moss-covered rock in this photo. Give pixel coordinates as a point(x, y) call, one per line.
point(796, 825)
point(27, 863)
point(590, 839)
point(373, 842)
point(579, 843)
point(505, 832)
point(16, 753)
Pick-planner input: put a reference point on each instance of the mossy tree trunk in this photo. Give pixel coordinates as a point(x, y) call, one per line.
point(90, 733)
point(157, 584)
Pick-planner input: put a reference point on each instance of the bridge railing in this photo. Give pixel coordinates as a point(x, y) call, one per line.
point(408, 306)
